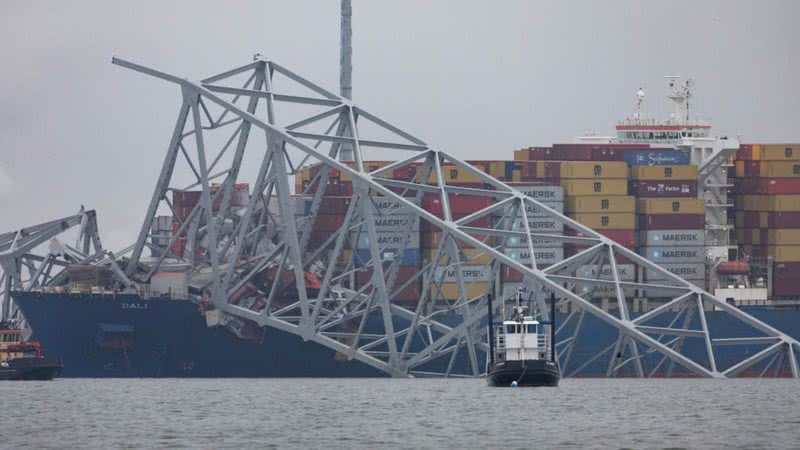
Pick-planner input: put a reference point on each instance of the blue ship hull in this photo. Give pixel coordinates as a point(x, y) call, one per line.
point(169, 338)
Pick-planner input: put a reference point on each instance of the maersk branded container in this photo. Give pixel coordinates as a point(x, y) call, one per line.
point(544, 256)
point(391, 239)
point(625, 272)
point(538, 225)
point(597, 221)
point(664, 172)
point(676, 254)
point(671, 206)
point(595, 187)
point(660, 188)
point(521, 242)
point(657, 158)
point(687, 271)
point(544, 193)
point(663, 238)
point(599, 204)
point(671, 221)
point(470, 274)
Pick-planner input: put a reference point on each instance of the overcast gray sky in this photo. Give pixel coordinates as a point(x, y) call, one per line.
point(478, 78)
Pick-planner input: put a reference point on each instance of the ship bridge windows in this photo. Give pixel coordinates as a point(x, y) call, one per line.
point(512, 328)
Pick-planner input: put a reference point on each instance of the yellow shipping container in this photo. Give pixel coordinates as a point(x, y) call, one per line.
point(471, 257)
point(755, 236)
point(740, 235)
point(516, 176)
point(785, 253)
point(739, 168)
point(595, 187)
point(773, 203)
point(779, 169)
point(497, 169)
point(521, 154)
point(449, 291)
point(664, 172)
point(783, 237)
point(671, 206)
point(589, 169)
point(622, 221)
point(598, 204)
point(777, 152)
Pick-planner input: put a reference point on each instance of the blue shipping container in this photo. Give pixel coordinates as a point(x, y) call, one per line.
point(657, 158)
point(410, 257)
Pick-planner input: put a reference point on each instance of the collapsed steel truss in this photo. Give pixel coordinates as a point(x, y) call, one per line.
point(247, 101)
point(23, 269)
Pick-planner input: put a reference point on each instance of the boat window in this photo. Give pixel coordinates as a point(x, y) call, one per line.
point(511, 329)
point(532, 328)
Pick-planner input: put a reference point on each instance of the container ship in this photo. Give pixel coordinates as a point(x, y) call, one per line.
point(723, 215)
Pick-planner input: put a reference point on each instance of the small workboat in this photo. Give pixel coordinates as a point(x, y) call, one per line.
point(521, 353)
point(21, 360)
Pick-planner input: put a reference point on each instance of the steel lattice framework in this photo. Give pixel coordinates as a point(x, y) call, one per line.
point(23, 269)
point(285, 122)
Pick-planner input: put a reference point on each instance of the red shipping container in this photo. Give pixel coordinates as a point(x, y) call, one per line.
point(672, 221)
point(460, 204)
point(745, 152)
point(778, 186)
point(328, 222)
point(785, 281)
point(752, 219)
point(184, 199)
point(409, 293)
point(527, 170)
point(334, 205)
point(657, 188)
point(780, 219)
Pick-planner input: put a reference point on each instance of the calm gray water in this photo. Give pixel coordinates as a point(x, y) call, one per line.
point(384, 413)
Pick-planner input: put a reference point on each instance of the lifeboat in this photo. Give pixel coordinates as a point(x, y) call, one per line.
point(733, 268)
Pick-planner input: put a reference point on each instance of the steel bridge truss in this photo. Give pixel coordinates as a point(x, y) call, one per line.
point(284, 122)
point(24, 268)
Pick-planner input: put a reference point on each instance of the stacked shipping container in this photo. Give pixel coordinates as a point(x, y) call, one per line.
point(671, 218)
point(767, 201)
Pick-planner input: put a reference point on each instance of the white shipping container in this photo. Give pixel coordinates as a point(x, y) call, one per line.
point(391, 239)
point(543, 255)
point(664, 238)
point(687, 271)
point(538, 225)
point(663, 255)
point(470, 274)
point(542, 193)
point(625, 272)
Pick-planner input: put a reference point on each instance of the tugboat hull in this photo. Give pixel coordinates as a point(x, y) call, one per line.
point(526, 373)
point(41, 369)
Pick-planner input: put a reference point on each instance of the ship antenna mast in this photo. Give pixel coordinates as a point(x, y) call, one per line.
point(639, 101)
point(346, 65)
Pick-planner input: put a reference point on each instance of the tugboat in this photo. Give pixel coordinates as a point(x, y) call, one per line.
point(24, 360)
point(521, 354)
